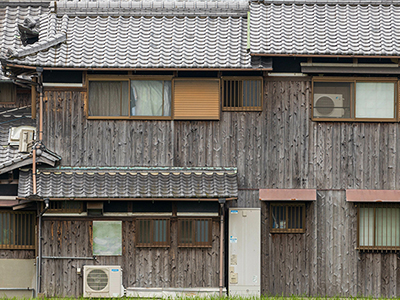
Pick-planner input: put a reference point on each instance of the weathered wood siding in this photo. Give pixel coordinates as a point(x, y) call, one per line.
point(14, 254)
point(142, 267)
point(277, 148)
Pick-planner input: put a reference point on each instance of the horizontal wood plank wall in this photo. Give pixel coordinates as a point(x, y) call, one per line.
point(142, 267)
point(277, 148)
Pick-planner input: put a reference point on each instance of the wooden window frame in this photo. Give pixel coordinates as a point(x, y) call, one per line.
point(195, 244)
point(287, 205)
point(14, 92)
point(64, 210)
point(241, 79)
point(19, 225)
point(374, 247)
point(153, 243)
point(127, 78)
point(354, 80)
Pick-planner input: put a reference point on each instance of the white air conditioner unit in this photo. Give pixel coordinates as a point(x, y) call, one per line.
point(15, 134)
point(328, 105)
point(102, 281)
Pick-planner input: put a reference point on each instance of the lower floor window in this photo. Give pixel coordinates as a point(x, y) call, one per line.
point(17, 230)
point(379, 227)
point(194, 232)
point(152, 232)
point(287, 217)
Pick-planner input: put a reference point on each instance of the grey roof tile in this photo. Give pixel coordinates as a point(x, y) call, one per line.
point(325, 27)
point(141, 34)
point(131, 183)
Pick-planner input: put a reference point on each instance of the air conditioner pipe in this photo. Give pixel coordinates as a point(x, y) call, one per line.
point(39, 269)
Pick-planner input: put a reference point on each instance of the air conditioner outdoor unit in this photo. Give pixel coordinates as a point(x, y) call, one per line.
point(102, 281)
point(15, 134)
point(328, 105)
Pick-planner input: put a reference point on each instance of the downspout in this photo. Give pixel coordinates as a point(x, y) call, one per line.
point(221, 247)
point(40, 257)
point(39, 142)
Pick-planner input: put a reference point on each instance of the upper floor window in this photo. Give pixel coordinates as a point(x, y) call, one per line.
point(349, 99)
point(242, 94)
point(129, 97)
point(7, 93)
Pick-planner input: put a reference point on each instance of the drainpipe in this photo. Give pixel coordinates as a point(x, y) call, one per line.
point(221, 247)
point(39, 272)
point(37, 144)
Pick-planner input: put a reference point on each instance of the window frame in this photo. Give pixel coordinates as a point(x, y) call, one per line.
point(242, 108)
point(195, 244)
point(354, 80)
point(14, 93)
point(32, 238)
point(127, 78)
point(374, 206)
point(152, 244)
point(287, 205)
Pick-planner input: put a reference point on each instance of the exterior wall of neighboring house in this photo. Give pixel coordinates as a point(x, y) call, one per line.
point(279, 147)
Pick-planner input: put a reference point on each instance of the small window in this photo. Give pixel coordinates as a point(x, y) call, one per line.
point(7, 93)
point(287, 218)
point(17, 230)
point(65, 207)
point(129, 98)
point(379, 227)
point(107, 238)
point(354, 99)
point(242, 94)
point(152, 233)
point(194, 232)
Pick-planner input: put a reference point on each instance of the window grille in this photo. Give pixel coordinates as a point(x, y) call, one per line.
point(152, 232)
point(242, 94)
point(17, 230)
point(65, 207)
point(287, 218)
point(194, 232)
point(379, 227)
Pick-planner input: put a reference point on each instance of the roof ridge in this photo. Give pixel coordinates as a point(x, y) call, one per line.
point(153, 7)
point(331, 2)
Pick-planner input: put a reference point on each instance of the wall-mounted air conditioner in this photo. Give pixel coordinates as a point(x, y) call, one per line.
point(16, 133)
point(328, 105)
point(102, 281)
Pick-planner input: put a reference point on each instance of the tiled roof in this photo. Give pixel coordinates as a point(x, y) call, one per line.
point(330, 27)
point(140, 34)
point(10, 16)
point(131, 183)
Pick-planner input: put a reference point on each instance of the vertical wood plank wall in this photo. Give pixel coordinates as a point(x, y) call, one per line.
point(142, 267)
point(279, 147)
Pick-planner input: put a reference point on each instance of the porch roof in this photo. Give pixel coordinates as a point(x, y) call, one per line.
point(125, 182)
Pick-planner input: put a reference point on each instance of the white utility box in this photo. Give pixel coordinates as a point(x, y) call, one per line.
point(244, 251)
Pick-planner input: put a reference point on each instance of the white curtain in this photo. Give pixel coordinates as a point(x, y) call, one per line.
point(108, 98)
point(148, 99)
point(375, 99)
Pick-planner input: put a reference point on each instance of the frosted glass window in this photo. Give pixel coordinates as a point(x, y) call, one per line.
point(375, 100)
point(107, 238)
point(366, 232)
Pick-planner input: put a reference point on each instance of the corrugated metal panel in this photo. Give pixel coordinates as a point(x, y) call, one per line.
point(288, 194)
point(196, 99)
point(372, 195)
